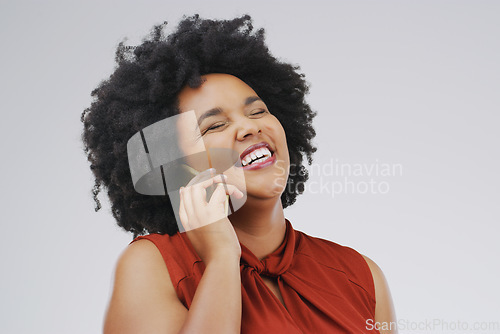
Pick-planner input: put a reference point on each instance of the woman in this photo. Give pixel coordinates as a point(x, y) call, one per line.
point(249, 272)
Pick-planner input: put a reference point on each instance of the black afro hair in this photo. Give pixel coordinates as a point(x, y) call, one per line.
point(143, 88)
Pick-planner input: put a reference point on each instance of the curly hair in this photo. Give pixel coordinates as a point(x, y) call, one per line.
point(143, 89)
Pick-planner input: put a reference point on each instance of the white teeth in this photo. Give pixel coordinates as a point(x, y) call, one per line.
point(263, 152)
point(258, 155)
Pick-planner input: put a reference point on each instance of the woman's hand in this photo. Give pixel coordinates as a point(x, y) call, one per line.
point(206, 224)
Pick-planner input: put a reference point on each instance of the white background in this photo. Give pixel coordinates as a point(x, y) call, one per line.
point(414, 83)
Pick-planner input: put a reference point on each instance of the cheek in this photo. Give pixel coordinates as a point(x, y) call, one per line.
point(279, 137)
point(220, 152)
point(187, 139)
point(277, 132)
point(216, 140)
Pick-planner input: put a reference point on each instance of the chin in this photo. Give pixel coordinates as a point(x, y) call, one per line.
point(265, 192)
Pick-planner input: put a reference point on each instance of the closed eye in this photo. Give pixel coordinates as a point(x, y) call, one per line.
point(261, 111)
point(214, 127)
point(219, 125)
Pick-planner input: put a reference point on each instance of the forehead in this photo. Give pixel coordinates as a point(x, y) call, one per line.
point(217, 90)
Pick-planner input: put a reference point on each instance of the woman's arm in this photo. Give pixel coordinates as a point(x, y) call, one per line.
point(385, 317)
point(144, 299)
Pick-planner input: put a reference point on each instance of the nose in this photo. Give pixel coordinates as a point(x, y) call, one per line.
point(247, 127)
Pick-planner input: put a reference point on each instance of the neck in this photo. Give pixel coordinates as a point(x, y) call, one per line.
point(260, 225)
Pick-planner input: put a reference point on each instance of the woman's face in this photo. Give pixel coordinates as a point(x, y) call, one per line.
point(230, 115)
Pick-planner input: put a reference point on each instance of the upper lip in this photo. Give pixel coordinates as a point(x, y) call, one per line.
point(254, 147)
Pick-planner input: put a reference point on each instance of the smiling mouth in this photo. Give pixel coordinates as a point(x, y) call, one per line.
point(259, 158)
point(256, 156)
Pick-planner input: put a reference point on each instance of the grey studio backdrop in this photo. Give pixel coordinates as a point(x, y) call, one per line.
point(406, 172)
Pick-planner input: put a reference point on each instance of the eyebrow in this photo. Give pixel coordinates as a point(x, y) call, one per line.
point(217, 110)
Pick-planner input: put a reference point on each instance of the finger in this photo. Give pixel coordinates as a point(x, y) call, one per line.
point(212, 180)
point(182, 212)
point(219, 195)
point(199, 200)
point(188, 205)
point(231, 189)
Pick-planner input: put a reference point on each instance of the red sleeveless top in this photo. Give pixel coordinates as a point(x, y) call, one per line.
point(326, 287)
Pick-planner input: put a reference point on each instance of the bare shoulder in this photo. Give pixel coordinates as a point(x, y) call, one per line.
point(143, 254)
point(375, 269)
point(384, 309)
point(143, 298)
point(142, 261)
